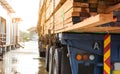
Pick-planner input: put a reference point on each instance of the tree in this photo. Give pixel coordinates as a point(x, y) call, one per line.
point(24, 36)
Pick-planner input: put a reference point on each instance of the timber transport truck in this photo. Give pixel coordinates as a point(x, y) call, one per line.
point(80, 36)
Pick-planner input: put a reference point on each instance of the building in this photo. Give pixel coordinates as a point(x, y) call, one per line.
point(8, 26)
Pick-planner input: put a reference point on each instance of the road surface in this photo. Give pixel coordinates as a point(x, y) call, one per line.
point(23, 61)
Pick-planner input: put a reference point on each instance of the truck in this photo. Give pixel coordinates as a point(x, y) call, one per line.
point(8, 28)
point(80, 36)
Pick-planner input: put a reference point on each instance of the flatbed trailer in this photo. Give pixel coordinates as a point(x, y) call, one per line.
point(80, 36)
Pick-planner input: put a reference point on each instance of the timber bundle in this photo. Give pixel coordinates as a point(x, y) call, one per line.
point(79, 16)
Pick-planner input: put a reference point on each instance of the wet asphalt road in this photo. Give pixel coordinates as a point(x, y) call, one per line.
point(23, 61)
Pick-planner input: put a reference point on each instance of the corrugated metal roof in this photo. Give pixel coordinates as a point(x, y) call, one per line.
point(6, 5)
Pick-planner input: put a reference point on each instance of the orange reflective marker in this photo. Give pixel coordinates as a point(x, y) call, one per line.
point(78, 57)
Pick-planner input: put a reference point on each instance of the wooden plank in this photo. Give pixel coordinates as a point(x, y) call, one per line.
point(50, 23)
point(82, 1)
point(48, 2)
point(64, 8)
point(101, 7)
point(57, 8)
point(49, 9)
point(72, 12)
point(75, 13)
point(57, 2)
point(80, 9)
point(112, 8)
point(115, 31)
point(93, 13)
point(64, 17)
point(96, 20)
point(63, 27)
point(63, 24)
point(93, 1)
point(112, 2)
point(90, 22)
point(99, 29)
point(79, 4)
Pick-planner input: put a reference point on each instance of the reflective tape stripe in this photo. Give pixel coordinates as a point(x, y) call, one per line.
point(107, 40)
point(106, 55)
point(107, 69)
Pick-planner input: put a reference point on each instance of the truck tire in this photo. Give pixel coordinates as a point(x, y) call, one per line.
point(57, 61)
point(47, 58)
point(51, 55)
point(42, 53)
point(65, 63)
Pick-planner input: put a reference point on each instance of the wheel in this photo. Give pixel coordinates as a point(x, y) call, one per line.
point(47, 57)
point(51, 54)
point(57, 61)
point(65, 63)
point(42, 53)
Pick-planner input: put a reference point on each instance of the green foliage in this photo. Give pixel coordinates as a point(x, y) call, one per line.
point(24, 36)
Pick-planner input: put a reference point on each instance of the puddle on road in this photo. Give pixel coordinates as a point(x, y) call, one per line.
point(42, 66)
point(22, 61)
point(17, 63)
point(14, 60)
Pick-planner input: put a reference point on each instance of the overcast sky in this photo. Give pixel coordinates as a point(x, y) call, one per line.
point(28, 11)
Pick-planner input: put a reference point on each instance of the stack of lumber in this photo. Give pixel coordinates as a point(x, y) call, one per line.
point(70, 12)
point(82, 16)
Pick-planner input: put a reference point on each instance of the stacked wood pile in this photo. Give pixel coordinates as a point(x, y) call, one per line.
point(81, 16)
